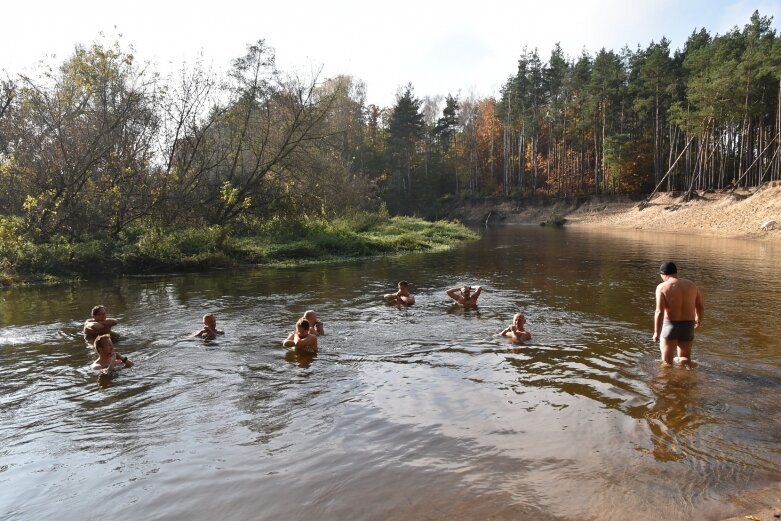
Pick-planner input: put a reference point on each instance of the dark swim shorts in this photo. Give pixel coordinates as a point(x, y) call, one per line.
point(678, 330)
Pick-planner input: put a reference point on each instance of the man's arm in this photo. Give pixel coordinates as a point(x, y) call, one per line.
point(96, 326)
point(659, 312)
point(289, 342)
point(506, 330)
point(699, 309)
point(124, 360)
point(90, 327)
point(477, 292)
point(453, 293)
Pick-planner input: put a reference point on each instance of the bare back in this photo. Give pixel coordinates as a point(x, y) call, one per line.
point(680, 299)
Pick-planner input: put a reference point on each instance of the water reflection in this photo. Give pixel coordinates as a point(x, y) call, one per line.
point(302, 360)
point(675, 414)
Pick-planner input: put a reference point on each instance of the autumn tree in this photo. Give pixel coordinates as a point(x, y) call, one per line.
point(83, 144)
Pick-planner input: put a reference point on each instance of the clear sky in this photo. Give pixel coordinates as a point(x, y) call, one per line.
point(439, 46)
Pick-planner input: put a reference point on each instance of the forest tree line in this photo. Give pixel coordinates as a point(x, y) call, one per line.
point(101, 143)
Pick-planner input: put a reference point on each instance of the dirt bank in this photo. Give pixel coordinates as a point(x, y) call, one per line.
point(723, 214)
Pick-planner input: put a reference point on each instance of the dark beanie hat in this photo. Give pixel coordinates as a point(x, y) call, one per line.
point(668, 268)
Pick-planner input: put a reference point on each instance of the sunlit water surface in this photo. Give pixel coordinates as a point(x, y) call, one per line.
point(419, 413)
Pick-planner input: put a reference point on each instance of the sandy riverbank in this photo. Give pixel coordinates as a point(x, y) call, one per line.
point(723, 214)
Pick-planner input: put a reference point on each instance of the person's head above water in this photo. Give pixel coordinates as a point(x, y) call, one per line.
point(668, 268)
point(209, 320)
point(302, 325)
point(102, 342)
point(99, 310)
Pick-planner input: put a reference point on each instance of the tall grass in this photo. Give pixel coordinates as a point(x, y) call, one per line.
point(155, 249)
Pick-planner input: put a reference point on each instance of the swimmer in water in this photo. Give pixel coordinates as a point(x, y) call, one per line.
point(402, 296)
point(516, 331)
point(108, 359)
point(315, 324)
point(99, 324)
point(464, 296)
point(209, 331)
point(302, 339)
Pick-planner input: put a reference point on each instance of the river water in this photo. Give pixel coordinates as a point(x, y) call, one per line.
point(419, 413)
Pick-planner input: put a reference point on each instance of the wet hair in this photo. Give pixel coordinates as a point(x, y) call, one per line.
point(668, 268)
point(309, 312)
point(97, 309)
point(302, 322)
point(98, 342)
point(404, 283)
point(209, 316)
point(466, 288)
point(518, 315)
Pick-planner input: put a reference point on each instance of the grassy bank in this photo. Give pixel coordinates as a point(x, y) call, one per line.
point(159, 250)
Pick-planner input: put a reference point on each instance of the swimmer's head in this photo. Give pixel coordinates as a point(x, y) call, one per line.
point(466, 290)
point(102, 342)
point(310, 316)
point(403, 284)
point(518, 317)
point(209, 320)
point(302, 324)
point(668, 268)
point(99, 310)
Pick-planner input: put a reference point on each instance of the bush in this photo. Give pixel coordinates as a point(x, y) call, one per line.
point(555, 220)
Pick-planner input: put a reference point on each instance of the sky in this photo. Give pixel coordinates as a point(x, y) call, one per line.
point(440, 47)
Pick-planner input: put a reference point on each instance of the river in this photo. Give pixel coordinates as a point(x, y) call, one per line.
point(418, 413)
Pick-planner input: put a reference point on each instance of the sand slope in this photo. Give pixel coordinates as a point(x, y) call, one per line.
point(725, 214)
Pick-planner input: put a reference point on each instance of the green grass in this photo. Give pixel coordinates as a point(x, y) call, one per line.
point(153, 249)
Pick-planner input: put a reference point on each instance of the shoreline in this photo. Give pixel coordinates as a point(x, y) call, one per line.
point(738, 215)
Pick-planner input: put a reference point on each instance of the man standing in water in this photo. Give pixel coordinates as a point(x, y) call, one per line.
point(679, 309)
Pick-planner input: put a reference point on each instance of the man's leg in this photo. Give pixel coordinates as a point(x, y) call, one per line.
point(685, 351)
point(667, 348)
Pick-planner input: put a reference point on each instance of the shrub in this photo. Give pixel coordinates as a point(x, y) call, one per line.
point(555, 220)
